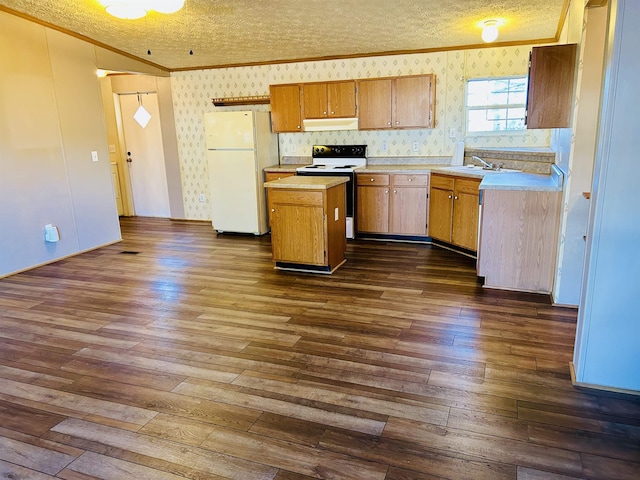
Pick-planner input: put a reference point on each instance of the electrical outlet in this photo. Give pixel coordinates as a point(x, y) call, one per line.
point(384, 146)
point(202, 198)
point(452, 133)
point(415, 146)
point(112, 148)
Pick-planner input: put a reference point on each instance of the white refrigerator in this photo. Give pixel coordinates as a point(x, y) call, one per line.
point(239, 146)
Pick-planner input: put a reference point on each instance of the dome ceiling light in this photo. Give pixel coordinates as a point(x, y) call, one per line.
point(490, 30)
point(134, 9)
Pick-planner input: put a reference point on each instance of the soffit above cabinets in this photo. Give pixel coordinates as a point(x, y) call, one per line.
point(237, 32)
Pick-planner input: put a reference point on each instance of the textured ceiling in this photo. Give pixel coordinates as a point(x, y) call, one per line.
point(233, 32)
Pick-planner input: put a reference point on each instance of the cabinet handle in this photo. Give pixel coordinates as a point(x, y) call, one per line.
point(298, 126)
point(397, 122)
point(386, 191)
point(372, 179)
point(455, 198)
point(395, 191)
point(411, 179)
point(449, 196)
point(388, 123)
point(324, 113)
point(332, 113)
point(273, 210)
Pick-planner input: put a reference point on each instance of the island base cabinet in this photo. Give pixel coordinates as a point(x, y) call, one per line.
point(308, 227)
point(518, 239)
point(293, 244)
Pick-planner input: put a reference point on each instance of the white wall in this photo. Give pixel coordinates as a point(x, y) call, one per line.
point(578, 155)
point(607, 349)
point(50, 121)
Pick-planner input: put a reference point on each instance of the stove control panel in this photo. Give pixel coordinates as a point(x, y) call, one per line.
point(339, 151)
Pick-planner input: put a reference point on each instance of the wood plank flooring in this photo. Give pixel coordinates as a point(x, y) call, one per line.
point(181, 354)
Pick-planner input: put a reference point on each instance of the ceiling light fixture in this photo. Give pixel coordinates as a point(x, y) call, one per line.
point(490, 30)
point(134, 9)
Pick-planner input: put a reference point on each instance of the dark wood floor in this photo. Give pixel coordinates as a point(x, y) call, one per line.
point(178, 354)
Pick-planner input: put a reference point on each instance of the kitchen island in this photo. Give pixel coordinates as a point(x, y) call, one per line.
point(308, 228)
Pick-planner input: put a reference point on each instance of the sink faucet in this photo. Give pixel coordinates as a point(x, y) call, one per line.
point(485, 165)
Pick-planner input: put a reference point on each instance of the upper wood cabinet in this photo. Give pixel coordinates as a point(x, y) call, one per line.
point(329, 99)
point(285, 108)
point(400, 102)
point(551, 83)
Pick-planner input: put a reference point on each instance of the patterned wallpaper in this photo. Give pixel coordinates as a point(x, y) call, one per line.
point(193, 90)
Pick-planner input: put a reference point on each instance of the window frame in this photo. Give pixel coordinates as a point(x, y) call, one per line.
point(467, 108)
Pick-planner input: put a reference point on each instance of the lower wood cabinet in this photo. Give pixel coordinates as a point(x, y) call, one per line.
point(392, 203)
point(308, 224)
point(269, 176)
point(454, 210)
point(519, 238)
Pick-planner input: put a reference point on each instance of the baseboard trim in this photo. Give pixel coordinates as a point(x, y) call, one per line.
point(601, 388)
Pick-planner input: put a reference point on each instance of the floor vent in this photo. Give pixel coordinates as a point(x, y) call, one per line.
point(129, 252)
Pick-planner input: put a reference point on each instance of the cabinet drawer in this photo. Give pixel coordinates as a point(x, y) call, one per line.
point(373, 179)
point(442, 181)
point(410, 180)
point(467, 185)
point(269, 176)
point(295, 197)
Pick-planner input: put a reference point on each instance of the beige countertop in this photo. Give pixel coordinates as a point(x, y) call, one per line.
point(289, 168)
point(491, 179)
point(398, 168)
point(524, 181)
point(306, 183)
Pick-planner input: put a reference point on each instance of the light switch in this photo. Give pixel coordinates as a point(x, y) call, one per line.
point(335, 214)
point(94, 156)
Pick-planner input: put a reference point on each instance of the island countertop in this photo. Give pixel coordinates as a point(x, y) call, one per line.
point(306, 183)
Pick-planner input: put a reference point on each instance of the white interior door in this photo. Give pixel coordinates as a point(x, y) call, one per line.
point(144, 148)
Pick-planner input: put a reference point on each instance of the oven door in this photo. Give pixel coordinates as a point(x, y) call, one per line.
point(350, 193)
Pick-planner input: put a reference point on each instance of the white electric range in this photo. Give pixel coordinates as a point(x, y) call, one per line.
point(339, 160)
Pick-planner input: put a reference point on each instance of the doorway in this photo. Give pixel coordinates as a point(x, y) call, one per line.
point(144, 152)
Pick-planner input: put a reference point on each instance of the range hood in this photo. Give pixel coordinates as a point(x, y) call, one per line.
point(324, 124)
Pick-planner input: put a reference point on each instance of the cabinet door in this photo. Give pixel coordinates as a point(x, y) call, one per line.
point(297, 234)
point(341, 99)
point(440, 214)
point(465, 214)
point(550, 91)
point(413, 102)
point(315, 100)
point(373, 209)
point(374, 104)
point(285, 108)
point(408, 211)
